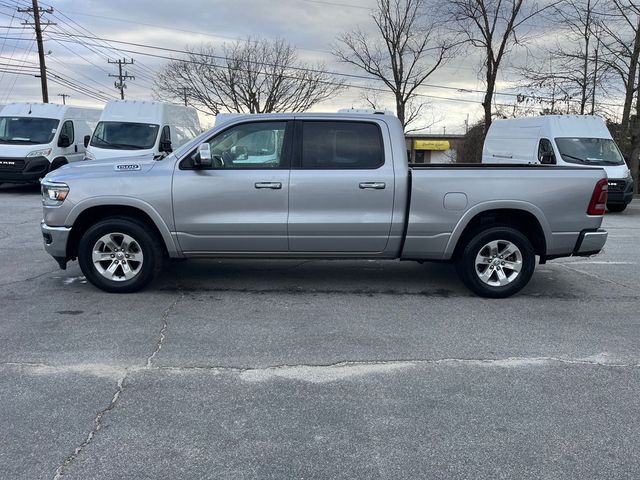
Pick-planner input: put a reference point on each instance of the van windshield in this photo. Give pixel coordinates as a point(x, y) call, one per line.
point(589, 151)
point(27, 130)
point(125, 135)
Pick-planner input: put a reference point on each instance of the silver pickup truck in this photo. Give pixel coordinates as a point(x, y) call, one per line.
point(317, 186)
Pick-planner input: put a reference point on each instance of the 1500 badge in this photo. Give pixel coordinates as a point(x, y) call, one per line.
point(128, 166)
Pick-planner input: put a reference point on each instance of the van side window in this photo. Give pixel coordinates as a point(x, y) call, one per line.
point(165, 139)
point(545, 148)
point(341, 145)
point(166, 134)
point(67, 129)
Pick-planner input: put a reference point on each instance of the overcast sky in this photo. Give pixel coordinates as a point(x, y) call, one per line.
point(310, 25)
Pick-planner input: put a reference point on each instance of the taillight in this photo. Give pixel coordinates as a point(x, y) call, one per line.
point(598, 201)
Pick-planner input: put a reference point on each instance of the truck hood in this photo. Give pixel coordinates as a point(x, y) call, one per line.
point(20, 151)
point(109, 167)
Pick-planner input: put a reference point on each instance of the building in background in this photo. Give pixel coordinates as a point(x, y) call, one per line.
point(433, 148)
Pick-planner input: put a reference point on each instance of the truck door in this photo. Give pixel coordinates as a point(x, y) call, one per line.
point(341, 188)
point(240, 203)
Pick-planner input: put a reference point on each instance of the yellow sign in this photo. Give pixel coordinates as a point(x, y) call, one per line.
point(431, 144)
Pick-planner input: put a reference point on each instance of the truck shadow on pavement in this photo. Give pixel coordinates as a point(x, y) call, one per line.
point(333, 277)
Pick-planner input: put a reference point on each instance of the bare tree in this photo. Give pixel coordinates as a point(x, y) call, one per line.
point(572, 68)
point(406, 50)
point(622, 48)
point(493, 26)
point(252, 76)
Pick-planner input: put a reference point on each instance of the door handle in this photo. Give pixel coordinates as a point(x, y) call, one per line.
point(374, 185)
point(271, 185)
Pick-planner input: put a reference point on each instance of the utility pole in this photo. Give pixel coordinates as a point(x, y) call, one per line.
point(64, 97)
point(595, 77)
point(120, 83)
point(36, 11)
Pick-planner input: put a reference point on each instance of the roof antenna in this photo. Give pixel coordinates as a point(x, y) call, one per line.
point(29, 109)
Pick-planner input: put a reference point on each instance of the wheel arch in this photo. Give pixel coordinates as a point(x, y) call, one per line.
point(88, 213)
point(58, 162)
point(523, 216)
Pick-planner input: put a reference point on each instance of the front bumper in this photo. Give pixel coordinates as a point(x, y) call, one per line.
point(590, 242)
point(23, 170)
point(620, 191)
point(55, 242)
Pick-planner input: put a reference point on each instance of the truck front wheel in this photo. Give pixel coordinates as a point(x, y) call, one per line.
point(496, 262)
point(120, 255)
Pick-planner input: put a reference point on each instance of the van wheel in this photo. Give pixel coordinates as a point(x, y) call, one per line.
point(496, 262)
point(120, 255)
point(618, 207)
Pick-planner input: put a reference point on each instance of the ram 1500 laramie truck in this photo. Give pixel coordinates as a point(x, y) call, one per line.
point(317, 186)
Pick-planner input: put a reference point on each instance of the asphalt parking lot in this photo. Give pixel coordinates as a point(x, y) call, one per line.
point(317, 369)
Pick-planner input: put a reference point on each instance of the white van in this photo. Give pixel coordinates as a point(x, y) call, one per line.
point(129, 128)
point(36, 138)
point(576, 140)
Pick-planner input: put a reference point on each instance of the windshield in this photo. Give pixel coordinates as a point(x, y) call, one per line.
point(589, 151)
point(27, 130)
point(125, 135)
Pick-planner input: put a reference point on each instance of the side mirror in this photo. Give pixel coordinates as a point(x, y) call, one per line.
point(548, 159)
point(64, 141)
point(203, 157)
point(87, 139)
point(165, 146)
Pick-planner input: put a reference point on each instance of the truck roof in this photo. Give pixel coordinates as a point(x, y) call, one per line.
point(341, 115)
point(577, 126)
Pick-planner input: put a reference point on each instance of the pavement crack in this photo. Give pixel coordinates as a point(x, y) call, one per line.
point(27, 279)
point(598, 360)
point(597, 277)
point(97, 426)
point(163, 330)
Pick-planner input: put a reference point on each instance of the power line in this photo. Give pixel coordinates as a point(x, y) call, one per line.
point(304, 69)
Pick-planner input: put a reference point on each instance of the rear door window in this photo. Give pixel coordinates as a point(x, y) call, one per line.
point(341, 145)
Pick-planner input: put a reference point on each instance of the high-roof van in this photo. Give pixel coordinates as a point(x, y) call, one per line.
point(131, 128)
point(36, 138)
point(574, 140)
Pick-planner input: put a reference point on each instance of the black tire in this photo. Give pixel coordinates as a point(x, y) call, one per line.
point(617, 207)
point(477, 242)
point(147, 243)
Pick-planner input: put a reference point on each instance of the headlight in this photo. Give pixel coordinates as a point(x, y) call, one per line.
point(45, 152)
point(628, 173)
point(54, 193)
point(89, 156)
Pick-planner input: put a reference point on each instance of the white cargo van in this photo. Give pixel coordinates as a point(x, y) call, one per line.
point(561, 140)
point(36, 138)
point(133, 128)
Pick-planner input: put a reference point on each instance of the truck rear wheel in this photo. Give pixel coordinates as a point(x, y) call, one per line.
point(120, 255)
point(497, 262)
